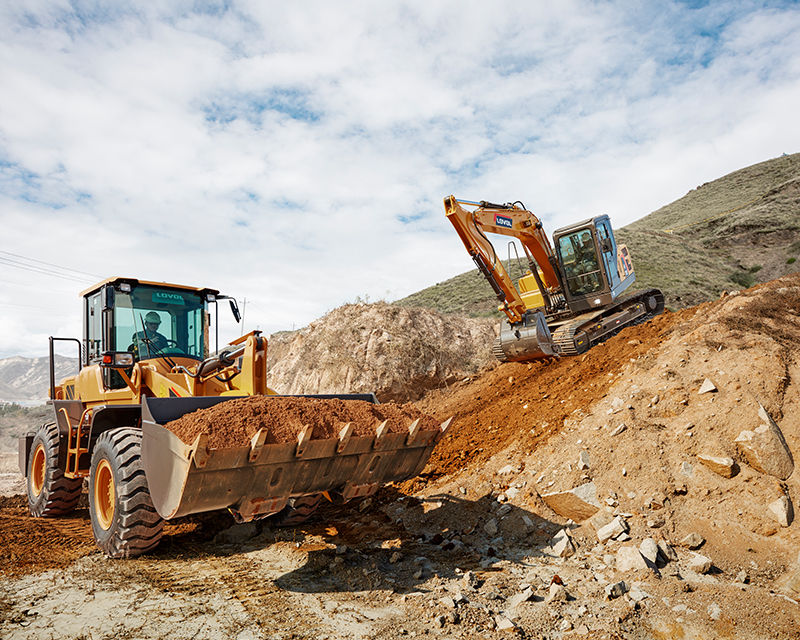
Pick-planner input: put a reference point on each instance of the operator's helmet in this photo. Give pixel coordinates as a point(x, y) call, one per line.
point(152, 318)
point(586, 238)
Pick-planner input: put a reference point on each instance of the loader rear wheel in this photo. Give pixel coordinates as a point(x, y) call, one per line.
point(50, 493)
point(124, 520)
point(297, 511)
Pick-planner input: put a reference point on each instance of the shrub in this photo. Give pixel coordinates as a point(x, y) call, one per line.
point(791, 260)
point(742, 278)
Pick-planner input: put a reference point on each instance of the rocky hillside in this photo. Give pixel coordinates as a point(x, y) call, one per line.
point(398, 353)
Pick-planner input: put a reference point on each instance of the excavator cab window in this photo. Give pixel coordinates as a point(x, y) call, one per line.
point(581, 265)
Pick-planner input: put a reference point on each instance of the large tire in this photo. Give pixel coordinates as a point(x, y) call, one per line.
point(124, 520)
point(297, 511)
point(49, 492)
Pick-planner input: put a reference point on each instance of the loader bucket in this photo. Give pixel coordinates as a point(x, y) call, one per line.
point(257, 480)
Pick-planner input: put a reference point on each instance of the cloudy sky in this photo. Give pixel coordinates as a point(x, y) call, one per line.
point(297, 154)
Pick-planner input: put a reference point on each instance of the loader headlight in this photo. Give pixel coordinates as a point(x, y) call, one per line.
point(117, 360)
point(597, 301)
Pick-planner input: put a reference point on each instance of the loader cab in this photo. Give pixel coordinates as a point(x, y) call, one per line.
point(116, 314)
point(588, 263)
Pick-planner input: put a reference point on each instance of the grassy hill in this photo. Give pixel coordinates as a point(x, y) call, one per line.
point(731, 233)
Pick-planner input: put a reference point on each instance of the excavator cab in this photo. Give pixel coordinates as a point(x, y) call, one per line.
point(588, 262)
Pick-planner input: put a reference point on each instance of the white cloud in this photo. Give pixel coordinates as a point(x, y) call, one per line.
point(297, 155)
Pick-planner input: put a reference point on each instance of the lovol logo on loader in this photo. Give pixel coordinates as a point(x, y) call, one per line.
point(169, 298)
point(502, 221)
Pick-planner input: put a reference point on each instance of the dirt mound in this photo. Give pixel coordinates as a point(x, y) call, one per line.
point(233, 423)
point(398, 353)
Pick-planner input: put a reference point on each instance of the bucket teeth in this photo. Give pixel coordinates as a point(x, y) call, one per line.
point(413, 432)
point(444, 427)
point(200, 450)
point(257, 443)
point(303, 439)
point(344, 437)
point(380, 433)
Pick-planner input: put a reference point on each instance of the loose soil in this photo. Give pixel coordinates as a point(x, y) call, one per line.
point(464, 550)
point(233, 423)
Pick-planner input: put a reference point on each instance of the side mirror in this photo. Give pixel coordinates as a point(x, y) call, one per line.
point(235, 310)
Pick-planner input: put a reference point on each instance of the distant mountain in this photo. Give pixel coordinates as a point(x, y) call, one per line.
point(731, 233)
point(26, 380)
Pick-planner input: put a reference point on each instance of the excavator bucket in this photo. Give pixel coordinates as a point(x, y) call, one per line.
point(528, 340)
point(257, 480)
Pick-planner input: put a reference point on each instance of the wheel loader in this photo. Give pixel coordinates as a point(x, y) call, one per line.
point(569, 298)
point(145, 362)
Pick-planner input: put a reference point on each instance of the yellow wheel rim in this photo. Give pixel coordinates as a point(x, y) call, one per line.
point(38, 470)
point(104, 496)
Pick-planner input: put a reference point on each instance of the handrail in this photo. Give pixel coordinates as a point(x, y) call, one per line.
point(53, 361)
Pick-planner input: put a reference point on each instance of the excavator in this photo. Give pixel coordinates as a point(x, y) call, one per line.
point(145, 361)
point(570, 297)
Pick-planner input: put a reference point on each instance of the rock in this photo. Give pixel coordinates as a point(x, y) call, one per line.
point(693, 541)
point(629, 559)
point(616, 590)
point(742, 577)
point(515, 601)
point(781, 511)
point(700, 564)
point(470, 580)
point(341, 549)
point(448, 602)
point(617, 404)
point(561, 545)
point(490, 527)
point(602, 518)
point(637, 594)
point(557, 594)
point(578, 504)
point(714, 611)
point(765, 448)
point(723, 466)
point(622, 426)
point(439, 621)
point(649, 549)
point(667, 552)
point(707, 386)
point(616, 527)
point(584, 460)
point(656, 521)
point(686, 469)
point(508, 470)
point(504, 624)
point(395, 557)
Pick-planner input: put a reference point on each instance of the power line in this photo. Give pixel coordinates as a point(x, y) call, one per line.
point(44, 271)
point(50, 264)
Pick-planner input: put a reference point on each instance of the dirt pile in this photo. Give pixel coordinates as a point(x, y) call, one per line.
point(234, 423)
point(398, 353)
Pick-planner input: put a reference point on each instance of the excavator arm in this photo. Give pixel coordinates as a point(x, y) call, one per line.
point(509, 220)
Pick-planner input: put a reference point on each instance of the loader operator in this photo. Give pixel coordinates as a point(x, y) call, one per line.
point(148, 343)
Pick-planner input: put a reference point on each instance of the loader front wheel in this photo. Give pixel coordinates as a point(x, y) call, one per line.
point(50, 493)
point(297, 511)
point(124, 520)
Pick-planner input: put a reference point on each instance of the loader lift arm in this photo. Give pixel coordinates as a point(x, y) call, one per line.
point(509, 220)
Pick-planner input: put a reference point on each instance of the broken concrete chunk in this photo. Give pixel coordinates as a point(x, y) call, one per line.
point(765, 448)
point(782, 511)
point(721, 465)
point(578, 504)
point(693, 541)
point(622, 426)
point(707, 386)
point(667, 552)
point(700, 564)
point(490, 527)
point(602, 518)
point(616, 590)
point(613, 529)
point(649, 549)
point(515, 601)
point(629, 559)
point(561, 545)
point(557, 594)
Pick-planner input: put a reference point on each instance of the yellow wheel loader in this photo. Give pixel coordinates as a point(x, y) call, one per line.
point(144, 362)
point(570, 298)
